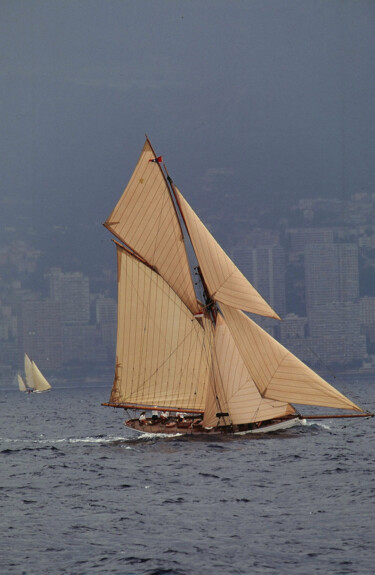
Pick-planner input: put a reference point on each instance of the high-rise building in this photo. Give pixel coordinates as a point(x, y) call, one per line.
point(40, 332)
point(331, 274)
point(264, 267)
point(82, 345)
point(106, 319)
point(299, 238)
point(332, 291)
point(72, 291)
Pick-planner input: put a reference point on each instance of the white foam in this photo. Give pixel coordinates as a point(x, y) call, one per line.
point(315, 423)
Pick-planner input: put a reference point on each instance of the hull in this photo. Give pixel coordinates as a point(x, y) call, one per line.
point(187, 428)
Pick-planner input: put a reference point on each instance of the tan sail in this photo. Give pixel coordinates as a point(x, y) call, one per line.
point(233, 390)
point(224, 280)
point(40, 382)
point(21, 383)
point(163, 353)
point(145, 220)
point(277, 373)
point(29, 372)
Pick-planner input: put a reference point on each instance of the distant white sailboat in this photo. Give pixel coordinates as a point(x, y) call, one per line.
point(35, 380)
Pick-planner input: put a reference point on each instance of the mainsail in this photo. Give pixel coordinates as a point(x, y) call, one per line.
point(176, 353)
point(29, 372)
point(163, 352)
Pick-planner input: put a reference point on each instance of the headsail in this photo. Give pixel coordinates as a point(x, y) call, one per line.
point(145, 220)
point(277, 373)
point(163, 353)
point(40, 382)
point(21, 383)
point(224, 280)
point(233, 391)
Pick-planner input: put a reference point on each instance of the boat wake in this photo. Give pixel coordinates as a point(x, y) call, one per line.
point(315, 424)
point(101, 439)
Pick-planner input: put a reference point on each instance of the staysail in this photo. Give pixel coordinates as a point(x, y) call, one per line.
point(21, 383)
point(224, 280)
point(163, 352)
point(146, 221)
point(277, 373)
point(233, 390)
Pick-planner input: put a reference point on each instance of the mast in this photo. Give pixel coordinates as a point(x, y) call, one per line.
point(210, 304)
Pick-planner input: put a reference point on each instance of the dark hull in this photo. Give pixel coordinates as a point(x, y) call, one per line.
point(186, 428)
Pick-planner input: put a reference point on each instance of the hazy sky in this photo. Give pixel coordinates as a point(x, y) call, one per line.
point(261, 98)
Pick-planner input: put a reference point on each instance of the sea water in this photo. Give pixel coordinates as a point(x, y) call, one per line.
point(82, 494)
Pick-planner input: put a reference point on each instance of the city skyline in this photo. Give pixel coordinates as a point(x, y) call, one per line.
point(69, 322)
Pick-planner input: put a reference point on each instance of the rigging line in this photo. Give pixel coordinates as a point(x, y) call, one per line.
point(317, 356)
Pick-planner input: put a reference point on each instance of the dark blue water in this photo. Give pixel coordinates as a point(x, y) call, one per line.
point(81, 494)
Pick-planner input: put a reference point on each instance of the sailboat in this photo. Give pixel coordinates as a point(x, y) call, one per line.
point(34, 379)
point(188, 355)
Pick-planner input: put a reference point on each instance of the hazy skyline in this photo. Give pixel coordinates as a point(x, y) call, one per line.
point(249, 99)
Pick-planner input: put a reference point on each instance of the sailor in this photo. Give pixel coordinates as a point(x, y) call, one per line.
point(164, 416)
point(142, 418)
point(197, 422)
point(154, 416)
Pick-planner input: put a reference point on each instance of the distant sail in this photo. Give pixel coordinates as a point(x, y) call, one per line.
point(40, 382)
point(29, 372)
point(35, 380)
point(21, 383)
